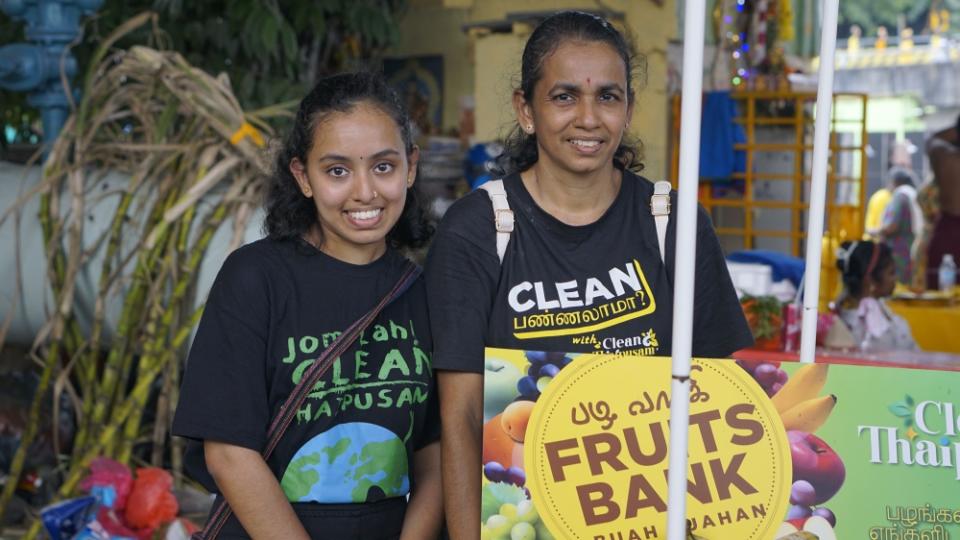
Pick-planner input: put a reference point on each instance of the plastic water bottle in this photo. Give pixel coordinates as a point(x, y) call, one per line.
point(947, 274)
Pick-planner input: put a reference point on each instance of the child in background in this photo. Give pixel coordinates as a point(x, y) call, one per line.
point(869, 277)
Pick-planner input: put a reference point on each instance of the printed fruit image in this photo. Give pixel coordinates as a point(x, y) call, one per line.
point(817, 463)
point(826, 514)
point(767, 374)
point(789, 531)
point(499, 386)
point(523, 531)
point(514, 419)
point(497, 494)
point(543, 367)
point(819, 527)
point(818, 471)
point(799, 512)
point(542, 532)
point(507, 514)
point(494, 471)
point(499, 446)
point(809, 415)
point(527, 512)
point(802, 493)
point(806, 383)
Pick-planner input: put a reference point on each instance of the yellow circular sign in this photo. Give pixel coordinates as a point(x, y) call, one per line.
point(597, 446)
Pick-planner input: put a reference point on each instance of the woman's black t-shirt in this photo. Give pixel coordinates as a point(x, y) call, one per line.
point(274, 307)
point(600, 287)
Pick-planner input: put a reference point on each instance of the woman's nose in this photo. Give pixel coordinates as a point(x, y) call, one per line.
point(363, 188)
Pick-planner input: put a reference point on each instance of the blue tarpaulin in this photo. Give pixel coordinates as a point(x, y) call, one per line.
point(783, 266)
point(718, 134)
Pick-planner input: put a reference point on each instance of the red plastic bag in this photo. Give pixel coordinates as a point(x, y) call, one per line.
point(107, 472)
point(113, 525)
point(151, 503)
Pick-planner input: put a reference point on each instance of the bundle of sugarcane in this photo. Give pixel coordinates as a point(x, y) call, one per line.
point(179, 135)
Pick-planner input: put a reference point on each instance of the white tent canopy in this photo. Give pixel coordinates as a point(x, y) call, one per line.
point(693, 32)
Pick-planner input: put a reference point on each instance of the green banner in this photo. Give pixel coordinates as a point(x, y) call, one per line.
point(576, 446)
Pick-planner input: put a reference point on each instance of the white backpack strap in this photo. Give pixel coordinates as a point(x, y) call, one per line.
point(502, 215)
point(660, 208)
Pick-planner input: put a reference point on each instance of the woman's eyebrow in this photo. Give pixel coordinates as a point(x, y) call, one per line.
point(382, 153)
point(566, 87)
point(575, 88)
point(610, 87)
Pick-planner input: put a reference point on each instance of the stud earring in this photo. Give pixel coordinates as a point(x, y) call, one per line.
point(529, 128)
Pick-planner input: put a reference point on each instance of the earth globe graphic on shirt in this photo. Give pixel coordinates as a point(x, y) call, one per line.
point(353, 462)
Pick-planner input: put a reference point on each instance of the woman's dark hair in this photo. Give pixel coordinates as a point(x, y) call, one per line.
point(854, 260)
point(520, 147)
point(289, 213)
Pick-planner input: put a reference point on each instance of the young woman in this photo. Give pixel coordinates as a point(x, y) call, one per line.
point(869, 275)
point(339, 204)
point(583, 235)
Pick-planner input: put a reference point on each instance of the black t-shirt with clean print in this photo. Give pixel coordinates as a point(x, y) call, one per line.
point(274, 307)
point(600, 287)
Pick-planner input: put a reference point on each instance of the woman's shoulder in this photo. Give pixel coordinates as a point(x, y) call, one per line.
point(257, 254)
point(252, 263)
point(643, 189)
point(642, 185)
point(471, 217)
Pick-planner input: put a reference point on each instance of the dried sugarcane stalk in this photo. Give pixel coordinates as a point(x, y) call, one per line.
point(26, 438)
point(169, 127)
point(166, 314)
point(88, 370)
point(75, 474)
point(49, 364)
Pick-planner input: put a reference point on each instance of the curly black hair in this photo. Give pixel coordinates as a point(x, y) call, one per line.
point(853, 261)
point(520, 148)
point(288, 213)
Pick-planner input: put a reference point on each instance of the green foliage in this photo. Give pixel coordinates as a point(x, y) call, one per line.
point(14, 111)
point(272, 50)
point(869, 14)
point(764, 313)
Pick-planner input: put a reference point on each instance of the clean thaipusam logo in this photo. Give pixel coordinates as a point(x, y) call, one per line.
point(596, 452)
point(570, 308)
point(931, 426)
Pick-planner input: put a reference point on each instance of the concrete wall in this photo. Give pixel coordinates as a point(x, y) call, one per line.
point(433, 29)
point(486, 65)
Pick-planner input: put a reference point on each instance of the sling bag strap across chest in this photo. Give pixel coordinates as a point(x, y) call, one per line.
point(218, 517)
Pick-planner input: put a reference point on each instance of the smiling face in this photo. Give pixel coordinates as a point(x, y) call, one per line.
point(580, 107)
point(357, 172)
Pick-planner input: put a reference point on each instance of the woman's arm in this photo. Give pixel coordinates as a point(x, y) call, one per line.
point(252, 491)
point(425, 511)
point(888, 229)
point(462, 273)
point(461, 412)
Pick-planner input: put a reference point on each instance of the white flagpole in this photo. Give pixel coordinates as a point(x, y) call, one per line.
point(686, 252)
point(818, 180)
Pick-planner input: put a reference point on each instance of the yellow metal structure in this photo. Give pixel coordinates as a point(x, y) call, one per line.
point(760, 112)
